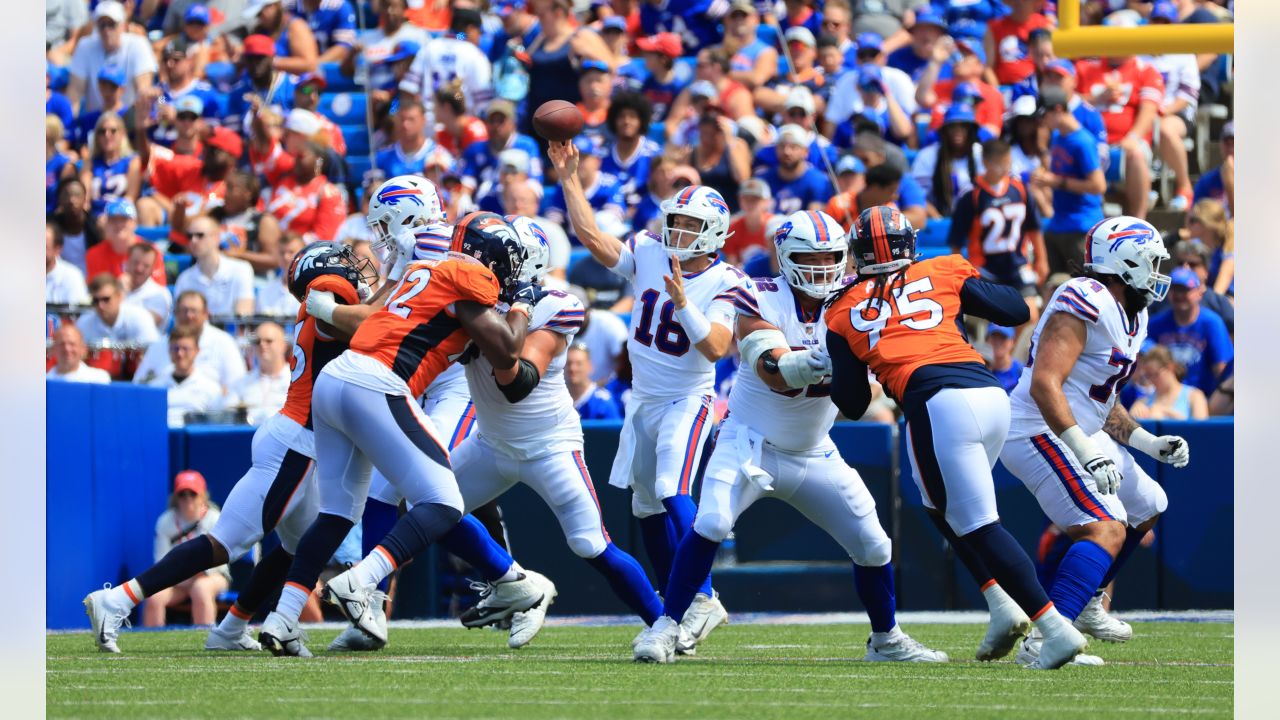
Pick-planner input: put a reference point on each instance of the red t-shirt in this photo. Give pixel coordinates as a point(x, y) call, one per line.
point(272, 165)
point(1012, 64)
point(473, 130)
point(317, 207)
point(1138, 82)
point(101, 258)
point(742, 238)
point(989, 112)
point(179, 176)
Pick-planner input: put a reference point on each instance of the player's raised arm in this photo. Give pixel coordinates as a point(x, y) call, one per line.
point(604, 247)
point(1000, 304)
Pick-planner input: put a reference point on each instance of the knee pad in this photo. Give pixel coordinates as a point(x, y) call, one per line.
point(713, 526)
point(586, 547)
point(876, 549)
point(643, 506)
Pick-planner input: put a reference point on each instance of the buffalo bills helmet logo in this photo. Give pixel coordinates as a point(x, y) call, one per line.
point(394, 194)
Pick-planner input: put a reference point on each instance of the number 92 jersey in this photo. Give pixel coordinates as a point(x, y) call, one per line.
point(919, 324)
point(1111, 346)
point(796, 420)
point(664, 362)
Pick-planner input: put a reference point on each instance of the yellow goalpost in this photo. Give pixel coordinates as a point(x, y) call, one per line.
point(1073, 41)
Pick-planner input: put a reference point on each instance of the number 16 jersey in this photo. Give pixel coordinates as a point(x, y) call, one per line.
point(1111, 347)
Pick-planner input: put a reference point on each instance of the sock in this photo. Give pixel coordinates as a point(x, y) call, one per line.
point(1132, 538)
point(1078, 576)
point(317, 545)
point(994, 594)
point(689, 570)
point(234, 623)
point(374, 568)
point(966, 555)
point(682, 511)
point(1010, 566)
point(875, 590)
point(415, 530)
point(268, 576)
point(292, 599)
point(660, 544)
point(471, 541)
point(628, 581)
point(128, 595)
point(180, 563)
point(490, 516)
point(377, 521)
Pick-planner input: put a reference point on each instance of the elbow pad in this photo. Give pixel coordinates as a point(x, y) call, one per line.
point(527, 379)
point(760, 342)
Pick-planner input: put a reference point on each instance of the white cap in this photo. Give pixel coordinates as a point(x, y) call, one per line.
point(802, 34)
point(515, 157)
point(756, 187)
point(253, 7)
point(109, 9)
point(1024, 106)
point(793, 133)
point(302, 121)
point(800, 97)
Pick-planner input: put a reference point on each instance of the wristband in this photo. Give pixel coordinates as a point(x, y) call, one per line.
point(695, 324)
point(1144, 442)
point(1081, 445)
point(523, 309)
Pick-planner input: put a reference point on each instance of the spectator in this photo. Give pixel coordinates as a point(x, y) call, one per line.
point(69, 352)
point(604, 334)
point(118, 235)
point(455, 56)
point(721, 157)
point(1007, 39)
point(513, 169)
point(795, 183)
point(1172, 399)
point(799, 109)
point(204, 47)
point(523, 199)
point(595, 84)
point(1181, 77)
point(76, 230)
point(1220, 183)
point(712, 85)
point(263, 390)
point(58, 165)
point(190, 514)
point(480, 159)
point(191, 389)
point(274, 298)
point(455, 129)
point(1028, 144)
point(946, 169)
point(837, 25)
point(391, 35)
point(196, 184)
point(850, 182)
point(1195, 335)
point(387, 71)
point(303, 200)
point(1223, 400)
point(802, 71)
point(664, 79)
point(603, 192)
point(1040, 52)
point(186, 130)
point(408, 155)
point(261, 82)
point(1209, 224)
point(110, 45)
point(306, 96)
point(225, 282)
point(221, 357)
point(964, 86)
point(1003, 364)
point(333, 23)
point(590, 400)
point(63, 282)
point(1062, 75)
point(223, 15)
point(630, 151)
point(181, 82)
point(967, 20)
point(879, 109)
point(62, 18)
point(1128, 92)
point(257, 233)
point(746, 229)
point(112, 320)
point(110, 79)
point(1197, 256)
point(644, 213)
point(1075, 178)
point(753, 62)
point(888, 19)
point(912, 58)
point(144, 291)
point(294, 45)
point(904, 192)
point(698, 23)
point(844, 98)
point(113, 170)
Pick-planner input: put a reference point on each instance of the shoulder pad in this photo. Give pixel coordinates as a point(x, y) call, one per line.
point(1081, 297)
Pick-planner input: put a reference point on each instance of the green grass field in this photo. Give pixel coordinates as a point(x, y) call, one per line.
point(1170, 668)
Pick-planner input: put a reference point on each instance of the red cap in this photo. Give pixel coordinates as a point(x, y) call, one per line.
point(666, 43)
point(313, 77)
point(259, 45)
point(189, 480)
point(226, 140)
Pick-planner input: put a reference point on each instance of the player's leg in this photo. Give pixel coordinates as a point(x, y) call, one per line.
point(1137, 175)
point(1173, 131)
point(488, 475)
point(656, 529)
point(682, 432)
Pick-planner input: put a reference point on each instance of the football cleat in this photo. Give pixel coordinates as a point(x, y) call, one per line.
point(1030, 653)
point(356, 640)
point(281, 637)
point(526, 625)
point(703, 616)
point(657, 644)
point(218, 640)
point(900, 647)
point(105, 618)
point(1008, 625)
point(356, 604)
point(499, 601)
point(1096, 622)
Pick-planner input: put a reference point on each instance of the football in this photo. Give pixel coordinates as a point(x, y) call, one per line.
point(557, 120)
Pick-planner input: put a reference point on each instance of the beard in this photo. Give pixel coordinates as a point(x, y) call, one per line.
point(1135, 301)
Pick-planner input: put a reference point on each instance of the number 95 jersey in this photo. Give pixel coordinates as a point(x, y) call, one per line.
point(1111, 346)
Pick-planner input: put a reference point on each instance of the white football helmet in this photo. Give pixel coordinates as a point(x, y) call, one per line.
point(1131, 249)
point(537, 260)
point(812, 231)
point(701, 203)
point(403, 203)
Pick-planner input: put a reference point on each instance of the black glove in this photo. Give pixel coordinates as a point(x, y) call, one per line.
point(528, 293)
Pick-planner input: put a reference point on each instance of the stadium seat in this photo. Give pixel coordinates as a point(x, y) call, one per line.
point(357, 137)
point(175, 264)
point(154, 234)
point(335, 81)
point(577, 255)
point(344, 108)
point(357, 166)
point(934, 235)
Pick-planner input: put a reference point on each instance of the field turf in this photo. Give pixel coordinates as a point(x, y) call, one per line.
point(1169, 669)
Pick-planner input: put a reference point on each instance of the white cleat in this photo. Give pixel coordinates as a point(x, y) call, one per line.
point(356, 604)
point(703, 616)
point(657, 644)
point(1008, 625)
point(685, 644)
point(526, 625)
point(105, 618)
point(281, 637)
point(1096, 622)
point(353, 639)
point(218, 640)
point(900, 647)
point(499, 601)
point(1031, 654)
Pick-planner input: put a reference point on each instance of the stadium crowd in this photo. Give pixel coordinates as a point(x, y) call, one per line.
point(193, 148)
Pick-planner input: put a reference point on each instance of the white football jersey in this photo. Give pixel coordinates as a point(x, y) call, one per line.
point(546, 421)
point(1110, 350)
point(664, 362)
point(444, 59)
point(797, 420)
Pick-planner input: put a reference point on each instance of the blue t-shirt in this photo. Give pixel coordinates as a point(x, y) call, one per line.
point(633, 176)
point(212, 100)
point(910, 193)
point(59, 105)
point(793, 195)
point(1009, 378)
point(686, 18)
point(604, 193)
point(906, 60)
point(599, 405)
point(662, 94)
point(110, 182)
point(236, 109)
point(53, 168)
point(1198, 346)
point(392, 161)
point(1074, 155)
point(1090, 119)
point(1210, 186)
point(334, 23)
point(967, 19)
point(648, 208)
point(480, 162)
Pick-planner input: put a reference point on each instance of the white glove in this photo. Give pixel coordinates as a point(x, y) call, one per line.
point(804, 367)
point(320, 305)
point(399, 266)
point(406, 243)
point(1171, 449)
point(1103, 469)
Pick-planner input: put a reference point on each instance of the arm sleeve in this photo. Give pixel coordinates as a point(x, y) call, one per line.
point(850, 390)
point(998, 303)
point(626, 265)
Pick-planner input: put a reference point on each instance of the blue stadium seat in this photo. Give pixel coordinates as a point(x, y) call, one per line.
point(357, 137)
point(357, 166)
point(336, 81)
point(934, 234)
point(152, 234)
point(932, 252)
point(344, 108)
point(175, 264)
point(578, 254)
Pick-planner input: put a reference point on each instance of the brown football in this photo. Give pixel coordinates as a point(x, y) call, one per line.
point(557, 120)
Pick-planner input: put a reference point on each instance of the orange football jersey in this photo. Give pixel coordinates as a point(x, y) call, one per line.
point(417, 335)
point(917, 326)
point(312, 350)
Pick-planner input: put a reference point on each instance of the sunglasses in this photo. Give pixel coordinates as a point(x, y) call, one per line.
point(187, 116)
point(108, 130)
point(103, 299)
point(796, 112)
point(832, 24)
point(177, 349)
point(187, 494)
point(194, 235)
point(307, 89)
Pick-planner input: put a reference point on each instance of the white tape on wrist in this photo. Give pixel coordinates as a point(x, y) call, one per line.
point(695, 324)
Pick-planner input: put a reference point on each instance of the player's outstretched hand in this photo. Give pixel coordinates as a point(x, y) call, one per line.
point(564, 158)
point(1170, 449)
point(675, 285)
point(321, 304)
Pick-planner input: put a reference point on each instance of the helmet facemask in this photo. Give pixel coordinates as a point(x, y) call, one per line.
point(684, 244)
point(815, 280)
